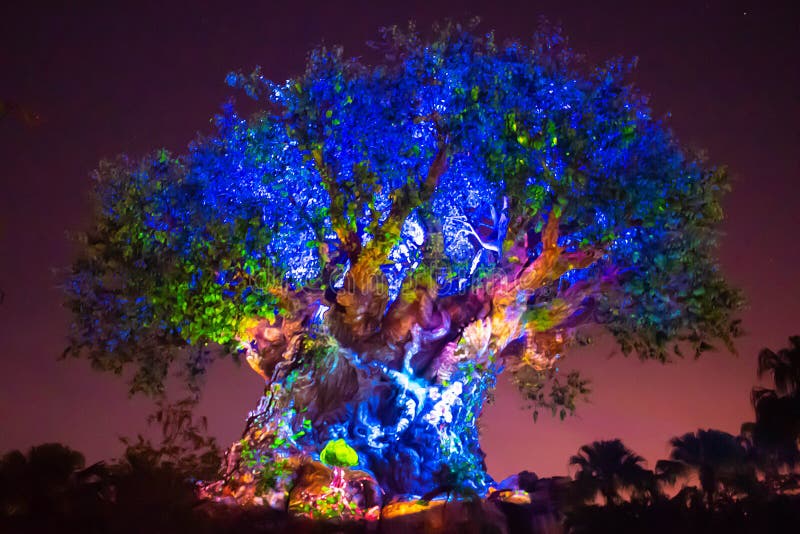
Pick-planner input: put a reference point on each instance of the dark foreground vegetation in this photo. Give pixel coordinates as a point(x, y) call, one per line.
point(713, 481)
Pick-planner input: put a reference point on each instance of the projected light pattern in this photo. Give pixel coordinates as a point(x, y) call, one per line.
point(379, 242)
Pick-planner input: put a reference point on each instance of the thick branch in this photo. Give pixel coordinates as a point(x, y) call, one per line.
point(267, 342)
point(532, 275)
point(510, 291)
point(546, 334)
point(361, 302)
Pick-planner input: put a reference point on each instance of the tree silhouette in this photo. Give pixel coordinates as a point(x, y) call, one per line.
point(720, 460)
point(612, 470)
point(185, 445)
point(154, 485)
point(380, 241)
point(731, 496)
point(783, 366)
point(775, 433)
point(37, 487)
point(152, 488)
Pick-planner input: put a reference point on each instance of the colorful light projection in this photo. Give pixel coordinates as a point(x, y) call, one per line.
point(380, 242)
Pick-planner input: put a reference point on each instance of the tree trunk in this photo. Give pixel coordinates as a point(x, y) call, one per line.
point(411, 433)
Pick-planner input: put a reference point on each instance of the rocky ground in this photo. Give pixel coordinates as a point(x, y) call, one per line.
point(521, 504)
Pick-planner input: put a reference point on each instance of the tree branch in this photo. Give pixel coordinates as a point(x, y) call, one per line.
point(361, 302)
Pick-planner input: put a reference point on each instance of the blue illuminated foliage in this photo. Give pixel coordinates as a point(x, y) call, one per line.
point(380, 241)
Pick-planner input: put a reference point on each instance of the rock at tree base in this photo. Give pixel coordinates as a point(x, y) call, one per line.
point(312, 505)
point(315, 491)
point(443, 515)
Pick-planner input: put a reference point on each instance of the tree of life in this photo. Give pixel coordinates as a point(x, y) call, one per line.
point(382, 239)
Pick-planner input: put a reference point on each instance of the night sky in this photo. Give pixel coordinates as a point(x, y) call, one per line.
point(107, 78)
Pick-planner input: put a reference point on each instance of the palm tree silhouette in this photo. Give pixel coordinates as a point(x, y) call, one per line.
point(784, 366)
point(720, 460)
point(775, 433)
point(610, 469)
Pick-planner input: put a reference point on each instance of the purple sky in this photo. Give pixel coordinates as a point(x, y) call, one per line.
point(142, 75)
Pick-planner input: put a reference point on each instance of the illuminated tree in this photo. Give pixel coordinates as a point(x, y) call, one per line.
point(380, 241)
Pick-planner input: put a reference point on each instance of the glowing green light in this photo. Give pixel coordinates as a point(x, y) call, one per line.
point(338, 453)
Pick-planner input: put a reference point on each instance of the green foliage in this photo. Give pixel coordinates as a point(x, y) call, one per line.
point(344, 157)
point(270, 474)
point(149, 220)
point(674, 292)
point(547, 390)
point(338, 453)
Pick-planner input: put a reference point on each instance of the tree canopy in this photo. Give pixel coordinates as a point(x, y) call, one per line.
point(457, 187)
